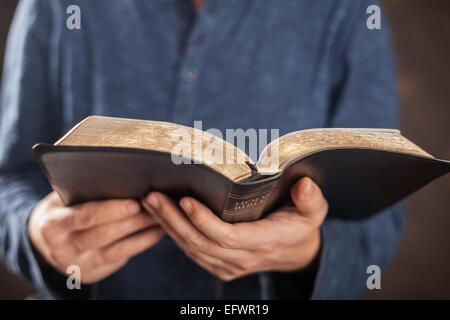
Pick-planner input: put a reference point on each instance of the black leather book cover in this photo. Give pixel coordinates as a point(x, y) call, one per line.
point(357, 182)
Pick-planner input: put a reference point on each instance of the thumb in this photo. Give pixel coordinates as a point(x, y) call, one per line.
point(309, 200)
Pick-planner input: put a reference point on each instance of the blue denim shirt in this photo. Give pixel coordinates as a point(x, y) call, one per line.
point(290, 64)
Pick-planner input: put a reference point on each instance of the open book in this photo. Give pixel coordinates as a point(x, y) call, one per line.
point(360, 171)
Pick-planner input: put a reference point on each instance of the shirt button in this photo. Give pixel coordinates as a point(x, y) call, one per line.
point(200, 38)
point(190, 74)
point(182, 107)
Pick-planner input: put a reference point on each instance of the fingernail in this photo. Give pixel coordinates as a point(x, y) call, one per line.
point(307, 190)
point(131, 207)
point(186, 205)
point(153, 201)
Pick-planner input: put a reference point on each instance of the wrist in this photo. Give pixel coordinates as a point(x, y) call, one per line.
point(307, 254)
point(313, 249)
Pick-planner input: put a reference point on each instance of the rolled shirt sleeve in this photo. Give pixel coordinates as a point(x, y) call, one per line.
point(366, 97)
point(363, 95)
point(29, 114)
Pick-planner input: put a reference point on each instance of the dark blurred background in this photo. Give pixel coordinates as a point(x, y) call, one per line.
point(421, 36)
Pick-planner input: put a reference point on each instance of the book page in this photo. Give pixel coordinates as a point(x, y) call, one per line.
point(180, 141)
point(300, 143)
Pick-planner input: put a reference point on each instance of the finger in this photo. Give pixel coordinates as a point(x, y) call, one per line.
point(182, 243)
point(95, 213)
point(54, 199)
point(174, 221)
point(108, 233)
point(243, 235)
point(219, 272)
point(102, 272)
point(184, 233)
point(309, 200)
point(214, 261)
point(129, 247)
point(186, 244)
point(208, 223)
point(164, 224)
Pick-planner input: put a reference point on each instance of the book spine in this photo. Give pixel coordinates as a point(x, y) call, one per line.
point(246, 202)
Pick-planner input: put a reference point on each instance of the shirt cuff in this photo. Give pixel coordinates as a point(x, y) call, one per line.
point(340, 262)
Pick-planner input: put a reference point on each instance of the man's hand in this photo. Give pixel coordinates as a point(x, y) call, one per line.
point(97, 236)
point(286, 240)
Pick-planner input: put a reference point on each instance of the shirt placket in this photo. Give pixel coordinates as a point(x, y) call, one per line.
point(190, 66)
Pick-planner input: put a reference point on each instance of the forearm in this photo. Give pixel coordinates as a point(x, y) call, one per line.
point(19, 194)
